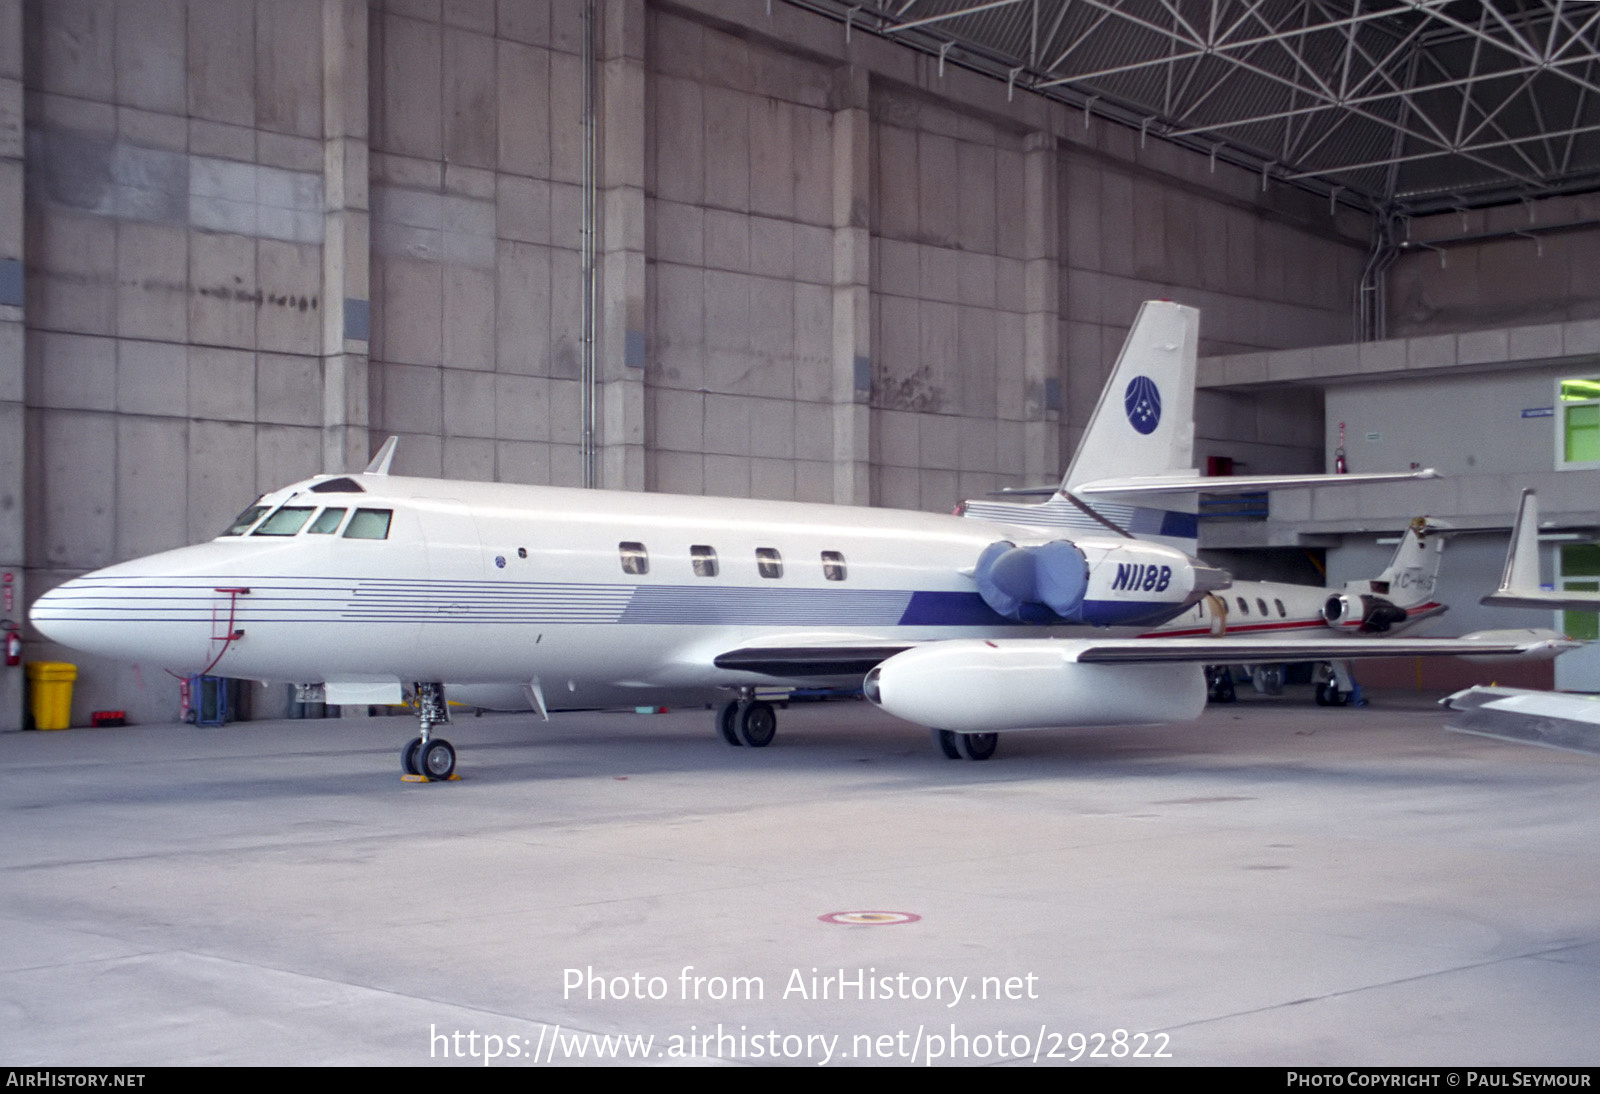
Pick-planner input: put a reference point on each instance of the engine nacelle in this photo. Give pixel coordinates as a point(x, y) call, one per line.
point(1101, 584)
point(1363, 614)
point(973, 686)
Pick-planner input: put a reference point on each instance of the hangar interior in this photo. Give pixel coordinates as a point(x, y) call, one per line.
point(873, 254)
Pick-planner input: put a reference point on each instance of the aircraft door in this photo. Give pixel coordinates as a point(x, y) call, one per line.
point(455, 561)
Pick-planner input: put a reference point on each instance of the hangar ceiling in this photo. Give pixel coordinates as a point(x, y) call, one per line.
point(1398, 106)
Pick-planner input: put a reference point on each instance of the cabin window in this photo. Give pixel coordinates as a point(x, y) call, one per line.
point(1244, 608)
point(1281, 612)
point(769, 562)
point(241, 523)
point(704, 560)
point(635, 559)
point(327, 522)
point(286, 521)
point(369, 524)
point(1261, 604)
point(833, 565)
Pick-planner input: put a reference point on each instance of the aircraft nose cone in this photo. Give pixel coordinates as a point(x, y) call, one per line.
point(120, 618)
point(57, 615)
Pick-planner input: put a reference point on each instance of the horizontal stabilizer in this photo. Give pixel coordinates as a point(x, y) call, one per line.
point(1142, 485)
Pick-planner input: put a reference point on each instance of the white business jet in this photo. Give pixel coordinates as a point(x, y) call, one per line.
point(1400, 596)
point(372, 585)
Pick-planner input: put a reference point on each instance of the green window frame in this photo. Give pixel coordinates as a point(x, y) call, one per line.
point(1578, 423)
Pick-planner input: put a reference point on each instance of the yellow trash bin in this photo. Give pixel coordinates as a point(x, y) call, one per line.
point(51, 682)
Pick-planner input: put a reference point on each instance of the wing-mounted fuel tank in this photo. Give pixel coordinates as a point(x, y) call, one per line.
point(978, 686)
point(1102, 584)
point(1362, 614)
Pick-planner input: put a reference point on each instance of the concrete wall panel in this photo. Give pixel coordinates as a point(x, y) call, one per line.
point(222, 383)
point(222, 61)
point(288, 93)
point(522, 79)
point(151, 494)
point(71, 372)
point(411, 101)
point(152, 282)
point(73, 493)
point(72, 48)
point(152, 378)
point(470, 107)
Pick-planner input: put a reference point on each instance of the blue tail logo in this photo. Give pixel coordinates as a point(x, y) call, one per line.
point(1142, 401)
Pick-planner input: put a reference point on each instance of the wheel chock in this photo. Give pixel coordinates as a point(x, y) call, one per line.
point(454, 778)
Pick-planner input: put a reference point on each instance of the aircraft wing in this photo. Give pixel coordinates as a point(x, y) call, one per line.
point(1134, 651)
point(800, 661)
point(1551, 719)
point(975, 685)
point(1139, 485)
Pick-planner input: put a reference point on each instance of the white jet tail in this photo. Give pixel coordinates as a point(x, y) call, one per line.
point(1519, 583)
point(1143, 426)
point(1413, 573)
point(1399, 596)
point(1133, 473)
point(1144, 422)
point(1521, 574)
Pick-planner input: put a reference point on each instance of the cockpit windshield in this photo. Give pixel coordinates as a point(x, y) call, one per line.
point(327, 522)
point(291, 520)
point(286, 521)
point(241, 524)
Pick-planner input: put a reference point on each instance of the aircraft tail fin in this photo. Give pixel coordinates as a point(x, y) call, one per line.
point(1519, 583)
point(1521, 574)
point(1413, 572)
point(1143, 426)
point(1144, 422)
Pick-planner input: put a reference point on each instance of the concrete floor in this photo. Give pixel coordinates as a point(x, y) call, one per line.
point(1277, 884)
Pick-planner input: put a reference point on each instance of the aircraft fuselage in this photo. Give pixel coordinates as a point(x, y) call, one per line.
point(598, 596)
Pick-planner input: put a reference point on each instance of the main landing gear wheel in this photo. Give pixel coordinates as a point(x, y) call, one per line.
point(945, 742)
point(757, 724)
point(408, 757)
point(436, 759)
point(1219, 684)
point(727, 717)
point(977, 746)
point(1329, 695)
point(1267, 679)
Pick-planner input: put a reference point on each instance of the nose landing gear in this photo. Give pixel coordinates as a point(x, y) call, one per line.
point(428, 758)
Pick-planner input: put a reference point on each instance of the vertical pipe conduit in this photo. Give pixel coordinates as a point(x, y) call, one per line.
point(590, 228)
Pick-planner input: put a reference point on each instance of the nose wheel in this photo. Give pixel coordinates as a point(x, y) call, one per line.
point(427, 758)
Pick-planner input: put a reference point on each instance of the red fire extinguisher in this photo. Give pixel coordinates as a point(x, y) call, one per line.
point(13, 647)
point(1340, 467)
